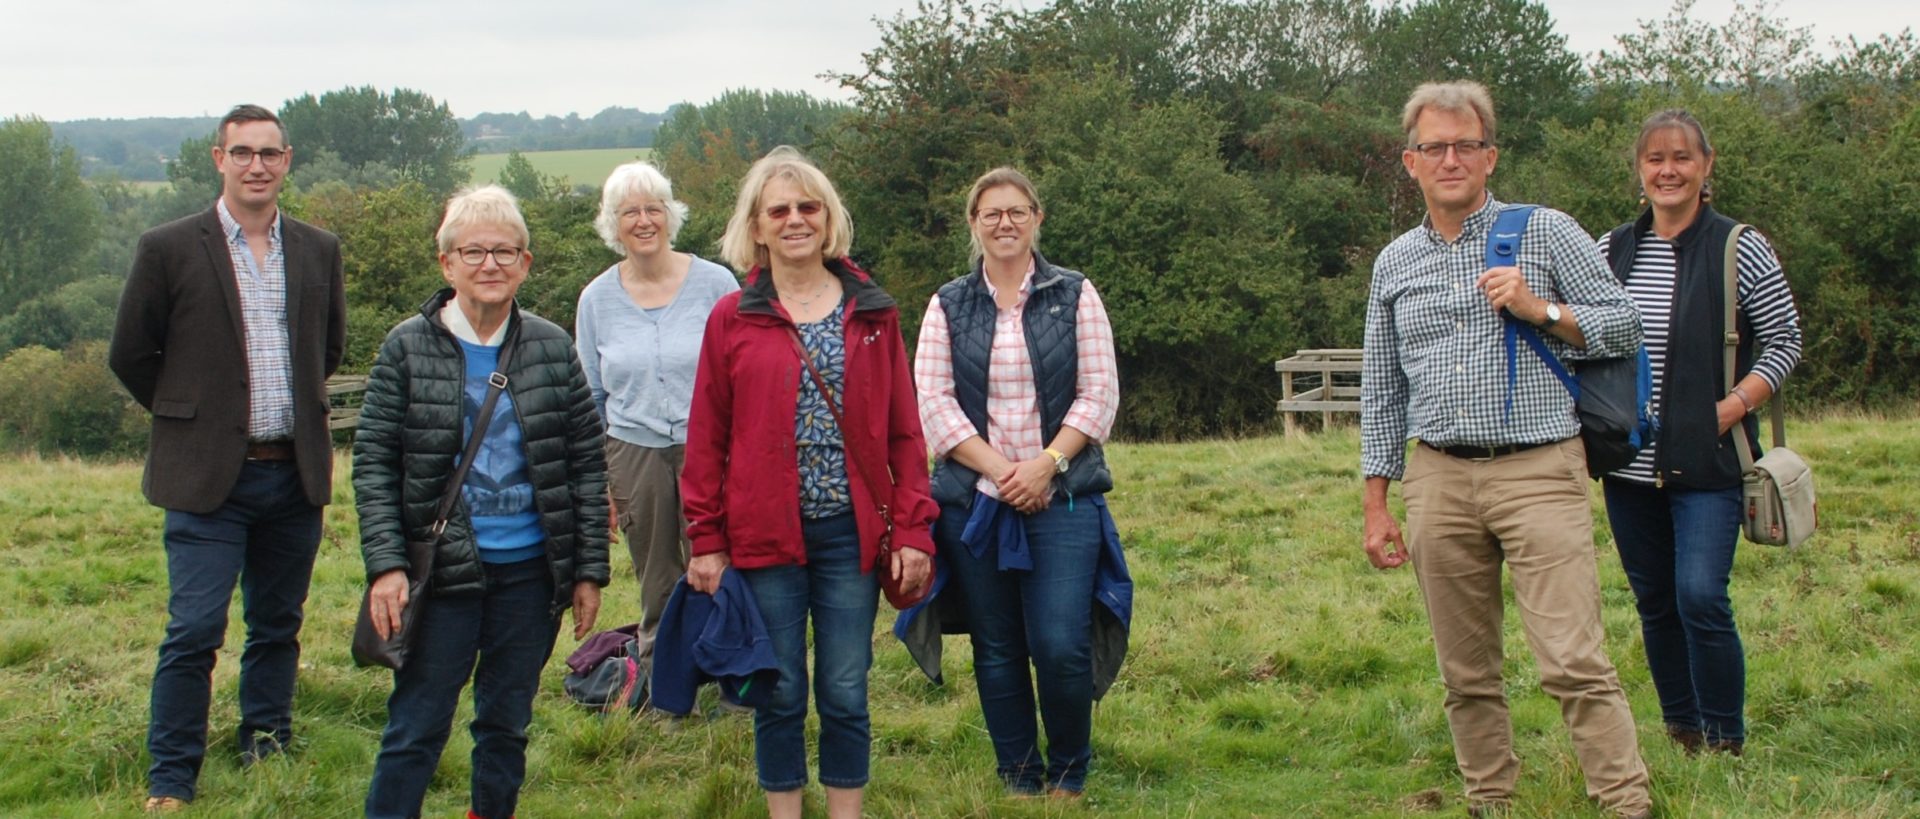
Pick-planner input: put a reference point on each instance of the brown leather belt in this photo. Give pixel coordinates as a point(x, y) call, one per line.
point(269, 450)
point(1484, 453)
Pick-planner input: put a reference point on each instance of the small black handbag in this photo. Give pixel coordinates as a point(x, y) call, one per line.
point(369, 648)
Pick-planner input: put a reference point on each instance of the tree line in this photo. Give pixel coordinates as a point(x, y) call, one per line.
point(139, 150)
point(1226, 170)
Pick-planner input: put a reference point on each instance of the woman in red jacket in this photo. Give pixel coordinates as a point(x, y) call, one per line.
point(775, 485)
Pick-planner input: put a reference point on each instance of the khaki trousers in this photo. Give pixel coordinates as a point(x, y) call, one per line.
point(645, 482)
point(1530, 510)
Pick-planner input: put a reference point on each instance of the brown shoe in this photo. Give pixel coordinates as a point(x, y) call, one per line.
point(165, 804)
point(1489, 810)
point(1730, 747)
point(1690, 739)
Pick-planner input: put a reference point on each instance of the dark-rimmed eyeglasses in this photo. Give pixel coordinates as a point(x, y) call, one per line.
point(1465, 149)
point(477, 256)
point(809, 207)
point(272, 157)
point(1018, 215)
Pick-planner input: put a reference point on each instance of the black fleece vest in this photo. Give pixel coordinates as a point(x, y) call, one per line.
point(1691, 452)
point(1049, 318)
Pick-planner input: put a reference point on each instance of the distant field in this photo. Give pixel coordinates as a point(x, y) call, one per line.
point(582, 167)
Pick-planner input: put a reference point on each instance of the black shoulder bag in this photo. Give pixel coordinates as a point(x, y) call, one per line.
point(369, 648)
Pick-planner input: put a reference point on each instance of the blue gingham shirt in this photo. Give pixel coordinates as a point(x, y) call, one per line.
point(263, 311)
point(1435, 366)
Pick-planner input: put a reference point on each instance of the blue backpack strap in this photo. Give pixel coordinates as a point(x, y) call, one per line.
point(1503, 250)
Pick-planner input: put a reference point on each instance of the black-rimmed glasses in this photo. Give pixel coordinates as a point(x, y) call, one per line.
point(272, 157)
point(1018, 215)
point(477, 256)
point(1466, 149)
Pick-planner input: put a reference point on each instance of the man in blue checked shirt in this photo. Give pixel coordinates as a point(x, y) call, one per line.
point(1499, 473)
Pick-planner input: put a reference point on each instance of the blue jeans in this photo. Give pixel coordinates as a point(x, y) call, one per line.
point(1044, 616)
point(1677, 547)
point(842, 600)
point(264, 537)
point(510, 631)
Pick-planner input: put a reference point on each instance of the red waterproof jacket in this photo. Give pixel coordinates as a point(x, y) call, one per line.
point(740, 486)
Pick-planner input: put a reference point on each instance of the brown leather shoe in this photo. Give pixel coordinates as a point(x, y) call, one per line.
point(1730, 747)
point(165, 804)
point(1690, 739)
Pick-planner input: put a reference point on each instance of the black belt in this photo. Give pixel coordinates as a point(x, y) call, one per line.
point(1484, 453)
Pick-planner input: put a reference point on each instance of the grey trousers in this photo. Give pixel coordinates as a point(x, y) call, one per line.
point(645, 482)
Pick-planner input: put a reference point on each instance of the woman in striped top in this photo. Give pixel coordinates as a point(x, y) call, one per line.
point(1675, 511)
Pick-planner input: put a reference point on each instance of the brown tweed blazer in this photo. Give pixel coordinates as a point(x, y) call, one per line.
point(177, 346)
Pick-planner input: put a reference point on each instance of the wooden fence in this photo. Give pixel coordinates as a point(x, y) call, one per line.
point(343, 400)
point(1322, 381)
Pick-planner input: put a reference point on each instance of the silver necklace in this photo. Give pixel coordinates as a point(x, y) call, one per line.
point(806, 302)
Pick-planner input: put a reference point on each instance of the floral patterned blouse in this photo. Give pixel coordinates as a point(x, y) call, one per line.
point(824, 491)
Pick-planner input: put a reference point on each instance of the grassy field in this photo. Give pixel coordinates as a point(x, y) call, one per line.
point(1273, 673)
point(582, 167)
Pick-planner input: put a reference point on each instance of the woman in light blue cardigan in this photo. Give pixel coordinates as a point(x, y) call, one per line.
point(638, 328)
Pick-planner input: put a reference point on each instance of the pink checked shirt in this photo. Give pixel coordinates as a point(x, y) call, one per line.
point(1013, 405)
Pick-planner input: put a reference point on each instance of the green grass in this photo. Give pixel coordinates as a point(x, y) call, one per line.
point(1273, 673)
point(581, 167)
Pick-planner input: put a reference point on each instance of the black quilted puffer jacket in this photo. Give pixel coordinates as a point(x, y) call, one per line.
point(410, 436)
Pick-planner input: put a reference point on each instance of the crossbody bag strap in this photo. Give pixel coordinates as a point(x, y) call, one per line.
point(496, 383)
point(846, 438)
point(1730, 297)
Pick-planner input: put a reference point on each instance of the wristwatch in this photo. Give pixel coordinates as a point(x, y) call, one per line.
point(1059, 460)
point(1553, 316)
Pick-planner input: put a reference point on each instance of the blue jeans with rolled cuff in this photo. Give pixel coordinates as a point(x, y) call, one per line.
point(1677, 547)
point(500, 639)
point(1042, 617)
point(841, 601)
point(264, 538)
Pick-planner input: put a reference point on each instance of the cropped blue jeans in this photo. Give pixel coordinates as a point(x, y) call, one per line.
point(1677, 547)
point(841, 600)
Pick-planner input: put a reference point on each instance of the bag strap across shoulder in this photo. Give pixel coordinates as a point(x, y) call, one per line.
point(496, 383)
point(1730, 298)
point(846, 437)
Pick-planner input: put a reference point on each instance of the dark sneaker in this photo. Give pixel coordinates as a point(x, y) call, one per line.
point(1690, 739)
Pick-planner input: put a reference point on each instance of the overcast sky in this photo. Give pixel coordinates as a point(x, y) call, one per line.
point(134, 58)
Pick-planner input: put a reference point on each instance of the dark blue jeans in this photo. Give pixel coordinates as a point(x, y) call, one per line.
point(842, 600)
point(264, 537)
point(1677, 546)
point(1045, 617)
point(509, 632)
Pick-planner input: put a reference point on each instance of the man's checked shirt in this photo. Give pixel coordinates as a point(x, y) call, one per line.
point(1435, 366)
point(263, 310)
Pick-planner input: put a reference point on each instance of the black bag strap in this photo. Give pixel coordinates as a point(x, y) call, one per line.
point(496, 383)
point(846, 439)
point(1729, 300)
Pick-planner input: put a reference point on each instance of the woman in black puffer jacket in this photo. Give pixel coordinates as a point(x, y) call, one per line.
point(528, 538)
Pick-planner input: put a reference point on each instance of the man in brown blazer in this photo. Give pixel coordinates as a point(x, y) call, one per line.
point(230, 323)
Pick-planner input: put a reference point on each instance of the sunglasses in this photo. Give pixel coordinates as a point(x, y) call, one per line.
point(809, 207)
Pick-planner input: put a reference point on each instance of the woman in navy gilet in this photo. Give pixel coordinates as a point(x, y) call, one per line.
point(1675, 510)
point(1016, 374)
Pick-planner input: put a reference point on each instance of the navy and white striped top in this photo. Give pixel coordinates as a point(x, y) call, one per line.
point(1763, 297)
